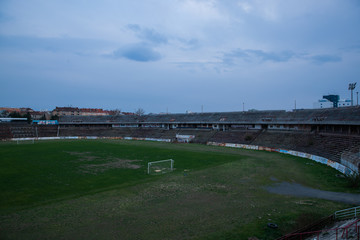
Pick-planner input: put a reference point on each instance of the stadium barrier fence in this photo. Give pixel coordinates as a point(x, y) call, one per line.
point(91, 137)
point(341, 168)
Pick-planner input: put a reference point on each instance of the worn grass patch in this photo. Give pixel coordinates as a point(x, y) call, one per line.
point(214, 192)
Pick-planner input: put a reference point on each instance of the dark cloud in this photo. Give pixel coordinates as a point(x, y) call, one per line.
point(283, 56)
point(320, 59)
point(138, 52)
point(148, 35)
point(352, 48)
point(252, 55)
point(257, 55)
point(189, 44)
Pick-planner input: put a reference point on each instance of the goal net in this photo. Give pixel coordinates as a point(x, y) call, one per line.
point(159, 167)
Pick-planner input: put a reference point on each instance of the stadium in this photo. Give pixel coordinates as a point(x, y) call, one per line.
point(215, 188)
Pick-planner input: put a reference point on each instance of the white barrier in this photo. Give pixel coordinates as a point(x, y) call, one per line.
point(341, 168)
point(148, 139)
point(91, 137)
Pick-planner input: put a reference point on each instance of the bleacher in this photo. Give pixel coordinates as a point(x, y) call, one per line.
point(85, 131)
point(349, 115)
point(238, 136)
point(326, 145)
point(5, 131)
point(46, 130)
point(201, 135)
point(147, 132)
point(22, 131)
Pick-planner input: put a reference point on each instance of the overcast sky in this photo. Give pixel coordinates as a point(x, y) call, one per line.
point(177, 55)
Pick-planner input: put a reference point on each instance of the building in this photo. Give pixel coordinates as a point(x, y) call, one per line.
point(332, 101)
point(323, 103)
point(66, 111)
point(344, 103)
point(75, 111)
point(37, 115)
point(10, 110)
point(93, 112)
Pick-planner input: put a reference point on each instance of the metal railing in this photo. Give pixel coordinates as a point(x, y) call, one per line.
point(347, 213)
point(337, 233)
point(334, 233)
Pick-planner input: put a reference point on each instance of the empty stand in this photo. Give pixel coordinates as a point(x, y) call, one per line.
point(5, 131)
point(239, 136)
point(46, 130)
point(22, 131)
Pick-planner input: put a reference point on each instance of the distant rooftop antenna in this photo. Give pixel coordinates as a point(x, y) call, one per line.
point(351, 88)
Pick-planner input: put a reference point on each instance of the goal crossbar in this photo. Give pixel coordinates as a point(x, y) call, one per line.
point(167, 160)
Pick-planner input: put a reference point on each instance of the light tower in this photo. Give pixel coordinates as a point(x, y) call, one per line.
point(351, 88)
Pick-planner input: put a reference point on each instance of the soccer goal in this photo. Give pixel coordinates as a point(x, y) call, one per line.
point(159, 167)
point(25, 141)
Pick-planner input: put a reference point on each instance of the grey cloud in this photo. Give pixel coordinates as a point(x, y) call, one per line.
point(155, 38)
point(189, 44)
point(255, 54)
point(148, 35)
point(251, 55)
point(283, 56)
point(354, 47)
point(137, 52)
point(320, 59)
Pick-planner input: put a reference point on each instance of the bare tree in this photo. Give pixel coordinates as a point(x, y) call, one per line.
point(117, 112)
point(4, 113)
point(140, 112)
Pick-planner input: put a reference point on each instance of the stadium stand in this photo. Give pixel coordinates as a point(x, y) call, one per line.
point(236, 136)
point(323, 132)
point(22, 130)
point(321, 144)
point(46, 130)
point(5, 131)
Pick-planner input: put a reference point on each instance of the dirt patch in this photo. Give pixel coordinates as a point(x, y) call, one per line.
point(84, 156)
point(78, 153)
point(95, 164)
point(114, 163)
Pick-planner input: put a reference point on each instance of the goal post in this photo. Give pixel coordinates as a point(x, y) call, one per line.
point(161, 166)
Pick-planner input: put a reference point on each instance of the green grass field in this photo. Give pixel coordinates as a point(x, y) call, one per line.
point(99, 189)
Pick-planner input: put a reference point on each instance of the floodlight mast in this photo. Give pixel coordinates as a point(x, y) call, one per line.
point(351, 88)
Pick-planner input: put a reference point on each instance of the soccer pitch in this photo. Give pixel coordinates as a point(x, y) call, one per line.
point(100, 189)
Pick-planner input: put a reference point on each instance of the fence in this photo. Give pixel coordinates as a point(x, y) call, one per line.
point(347, 213)
point(350, 231)
point(90, 137)
point(340, 167)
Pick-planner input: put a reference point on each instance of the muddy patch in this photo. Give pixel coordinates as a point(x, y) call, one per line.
point(110, 164)
point(298, 190)
point(84, 156)
point(92, 164)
